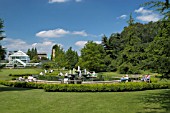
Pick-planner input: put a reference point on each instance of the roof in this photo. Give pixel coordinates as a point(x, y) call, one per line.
point(19, 53)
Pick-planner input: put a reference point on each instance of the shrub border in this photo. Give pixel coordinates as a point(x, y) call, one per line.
point(118, 87)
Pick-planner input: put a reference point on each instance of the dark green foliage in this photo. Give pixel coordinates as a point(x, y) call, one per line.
point(20, 75)
point(128, 69)
point(58, 56)
point(119, 87)
point(139, 47)
point(71, 58)
point(48, 65)
point(23, 84)
point(48, 77)
point(2, 50)
point(92, 56)
point(33, 55)
point(158, 50)
point(131, 20)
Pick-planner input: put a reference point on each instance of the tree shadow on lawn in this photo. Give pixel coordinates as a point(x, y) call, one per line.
point(7, 88)
point(156, 102)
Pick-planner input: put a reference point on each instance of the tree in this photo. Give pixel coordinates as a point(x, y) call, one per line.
point(92, 56)
point(71, 58)
point(162, 7)
point(158, 49)
point(131, 20)
point(2, 50)
point(58, 56)
point(32, 53)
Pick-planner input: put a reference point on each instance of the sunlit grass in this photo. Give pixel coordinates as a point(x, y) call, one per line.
point(4, 73)
point(20, 100)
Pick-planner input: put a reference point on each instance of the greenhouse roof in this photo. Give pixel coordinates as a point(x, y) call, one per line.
point(19, 53)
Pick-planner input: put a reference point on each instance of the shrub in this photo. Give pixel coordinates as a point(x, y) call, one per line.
point(49, 77)
point(23, 84)
point(131, 86)
point(19, 75)
point(104, 87)
point(13, 79)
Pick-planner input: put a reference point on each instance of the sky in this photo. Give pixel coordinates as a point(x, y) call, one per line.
point(69, 23)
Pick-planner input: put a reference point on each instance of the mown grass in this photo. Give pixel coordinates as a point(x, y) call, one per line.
point(4, 73)
point(22, 100)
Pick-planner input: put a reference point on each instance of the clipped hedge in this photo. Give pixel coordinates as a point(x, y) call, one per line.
point(105, 87)
point(118, 87)
point(49, 77)
point(19, 75)
point(23, 84)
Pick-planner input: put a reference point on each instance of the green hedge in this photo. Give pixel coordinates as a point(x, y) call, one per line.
point(23, 84)
point(19, 75)
point(118, 87)
point(104, 87)
point(49, 77)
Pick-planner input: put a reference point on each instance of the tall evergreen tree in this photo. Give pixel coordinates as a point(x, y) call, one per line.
point(131, 20)
point(71, 58)
point(32, 53)
point(158, 50)
point(2, 50)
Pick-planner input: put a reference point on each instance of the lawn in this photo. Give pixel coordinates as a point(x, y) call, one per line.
point(22, 100)
point(4, 73)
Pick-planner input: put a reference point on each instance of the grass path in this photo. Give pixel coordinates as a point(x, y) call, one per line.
point(21, 100)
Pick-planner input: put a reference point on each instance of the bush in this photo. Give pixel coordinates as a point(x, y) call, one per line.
point(119, 87)
point(49, 77)
point(19, 75)
point(104, 87)
point(13, 79)
point(23, 84)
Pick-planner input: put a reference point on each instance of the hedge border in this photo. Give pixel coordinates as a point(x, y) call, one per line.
point(118, 87)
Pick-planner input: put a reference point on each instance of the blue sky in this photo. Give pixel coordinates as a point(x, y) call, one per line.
point(69, 23)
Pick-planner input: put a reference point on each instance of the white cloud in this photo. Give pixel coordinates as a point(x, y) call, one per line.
point(57, 1)
point(98, 42)
point(81, 44)
point(78, 0)
point(45, 46)
point(122, 17)
point(148, 18)
point(147, 15)
point(143, 11)
point(57, 33)
point(15, 44)
point(81, 33)
point(52, 33)
point(18, 44)
point(62, 1)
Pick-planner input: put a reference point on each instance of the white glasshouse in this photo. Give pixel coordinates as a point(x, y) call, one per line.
point(19, 59)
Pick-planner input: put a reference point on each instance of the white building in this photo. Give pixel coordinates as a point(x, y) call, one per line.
point(19, 59)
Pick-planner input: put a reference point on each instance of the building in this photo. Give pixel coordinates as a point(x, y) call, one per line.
point(42, 55)
point(19, 59)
